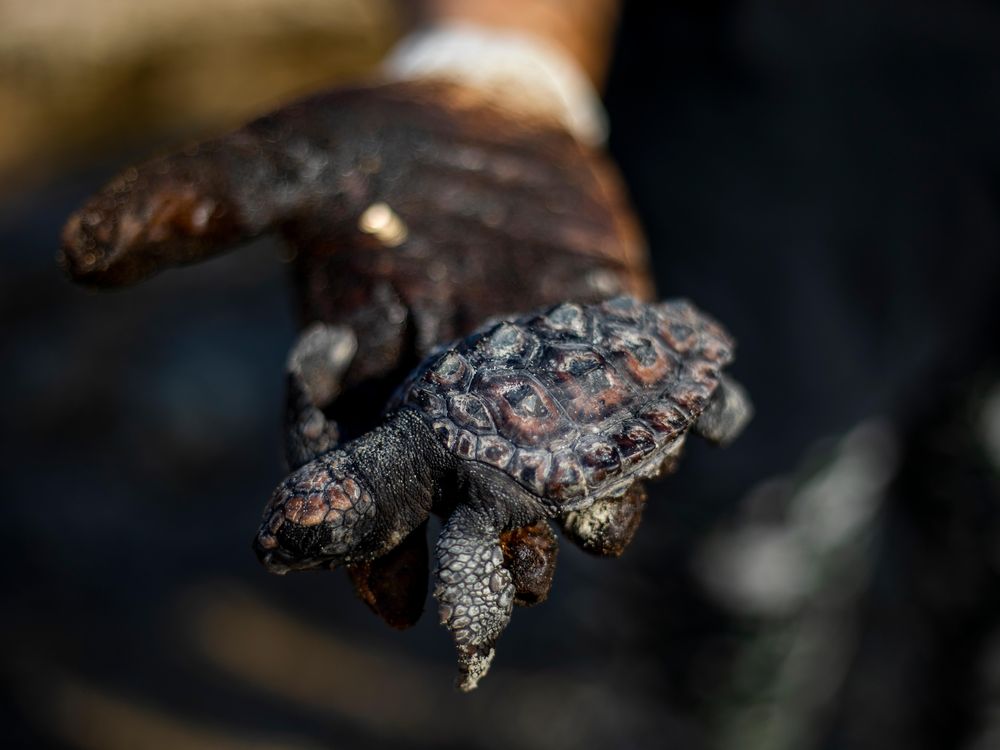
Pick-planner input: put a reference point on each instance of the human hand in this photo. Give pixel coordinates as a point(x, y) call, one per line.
point(416, 207)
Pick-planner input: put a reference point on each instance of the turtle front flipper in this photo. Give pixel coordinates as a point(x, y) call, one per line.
point(394, 585)
point(475, 591)
point(316, 367)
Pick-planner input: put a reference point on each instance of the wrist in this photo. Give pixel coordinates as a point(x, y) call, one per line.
point(517, 70)
point(583, 28)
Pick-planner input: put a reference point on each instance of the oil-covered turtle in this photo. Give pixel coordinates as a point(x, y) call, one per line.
point(554, 415)
point(413, 212)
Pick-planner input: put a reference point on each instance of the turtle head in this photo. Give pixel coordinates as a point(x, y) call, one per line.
point(317, 518)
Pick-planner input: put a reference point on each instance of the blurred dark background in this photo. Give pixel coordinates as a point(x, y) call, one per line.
point(823, 177)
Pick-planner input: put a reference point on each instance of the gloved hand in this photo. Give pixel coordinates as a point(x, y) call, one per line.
point(417, 206)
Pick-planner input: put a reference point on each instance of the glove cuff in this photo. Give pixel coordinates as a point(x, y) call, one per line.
point(514, 69)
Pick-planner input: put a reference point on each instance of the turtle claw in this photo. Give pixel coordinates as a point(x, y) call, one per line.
point(473, 664)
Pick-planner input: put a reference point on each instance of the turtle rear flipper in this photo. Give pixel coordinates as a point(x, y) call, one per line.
point(727, 413)
point(606, 527)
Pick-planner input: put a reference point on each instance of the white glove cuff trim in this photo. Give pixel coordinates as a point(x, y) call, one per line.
point(517, 70)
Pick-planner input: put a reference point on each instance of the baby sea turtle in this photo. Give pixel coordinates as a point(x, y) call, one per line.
point(412, 212)
point(555, 415)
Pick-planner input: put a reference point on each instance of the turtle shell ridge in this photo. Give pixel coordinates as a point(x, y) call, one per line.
point(576, 401)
